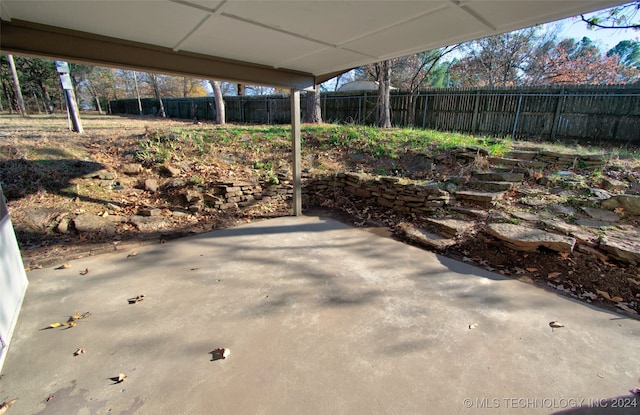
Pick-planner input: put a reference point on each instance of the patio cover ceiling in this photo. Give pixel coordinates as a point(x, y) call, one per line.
point(291, 44)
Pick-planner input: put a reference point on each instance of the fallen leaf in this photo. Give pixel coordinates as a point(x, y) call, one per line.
point(564, 255)
point(50, 397)
point(553, 275)
point(604, 294)
point(617, 299)
point(85, 272)
point(220, 353)
point(72, 324)
point(121, 378)
point(78, 352)
point(4, 406)
point(636, 282)
point(193, 269)
point(132, 254)
point(64, 266)
point(555, 324)
point(473, 326)
point(532, 269)
point(136, 299)
point(55, 325)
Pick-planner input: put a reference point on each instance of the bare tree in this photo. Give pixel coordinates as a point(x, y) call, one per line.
point(153, 80)
point(314, 110)
point(219, 100)
point(383, 106)
point(16, 86)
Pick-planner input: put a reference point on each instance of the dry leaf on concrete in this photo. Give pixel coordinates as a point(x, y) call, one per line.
point(473, 326)
point(64, 266)
point(120, 378)
point(132, 254)
point(136, 299)
point(220, 353)
point(78, 352)
point(85, 272)
point(555, 324)
point(4, 406)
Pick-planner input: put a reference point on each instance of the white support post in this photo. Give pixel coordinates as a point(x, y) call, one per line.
point(295, 141)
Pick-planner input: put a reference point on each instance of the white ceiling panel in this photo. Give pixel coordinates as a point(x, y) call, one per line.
point(301, 40)
point(331, 21)
point(232, 39)
point(413, 35)
point(161, 23)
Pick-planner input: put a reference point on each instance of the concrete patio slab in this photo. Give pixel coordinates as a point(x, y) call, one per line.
point(320, 318)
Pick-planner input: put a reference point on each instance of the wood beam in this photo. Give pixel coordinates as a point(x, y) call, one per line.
point(29, 38)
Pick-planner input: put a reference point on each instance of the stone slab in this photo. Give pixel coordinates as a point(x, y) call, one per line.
point(630, 204)
point(93, 224)
point(425, 238)
point(601, 214)
point(149, 223)
point(500, 176)
point(451, 227)
point(622, 243)
point(522, 238)
point(478, 196)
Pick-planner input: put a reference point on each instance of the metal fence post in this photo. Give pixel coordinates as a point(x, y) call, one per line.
point(515, 122)
point(556, 115)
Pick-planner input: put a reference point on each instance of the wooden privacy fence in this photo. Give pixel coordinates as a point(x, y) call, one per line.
point(598, 113)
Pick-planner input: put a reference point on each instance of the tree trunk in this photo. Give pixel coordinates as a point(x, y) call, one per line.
point(47, 97)
point(241, 90)
point(8, 95)
point(135, 82)
point(156, 90)
point(314, 110)
point(16, 86)
point(217, 96)
point(383, 107)
point(185, 89)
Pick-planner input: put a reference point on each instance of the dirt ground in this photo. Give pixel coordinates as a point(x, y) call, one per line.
point(43, 170)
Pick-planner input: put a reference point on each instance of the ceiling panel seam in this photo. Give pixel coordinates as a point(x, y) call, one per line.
point(465, 7)
point(176, 48)
point(276, 29)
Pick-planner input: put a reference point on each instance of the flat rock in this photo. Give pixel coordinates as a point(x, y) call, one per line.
point(583, 235)
point(592, 223)
point(599, 194)
point(601, 214)
point(526, 216)
point(607, 183)
point(500, 176)
point(477, 213)
point(489, 185)
point(42, 218)
point(451, 227)
point(485, 197)
point(425, 238)
point(623, 244)
point(94, 224)
point(630, 203)
point(170, 171)
point(149, 223)
point(562, 209)
point(132, 169)
point(522, 238)
point(151, 185)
